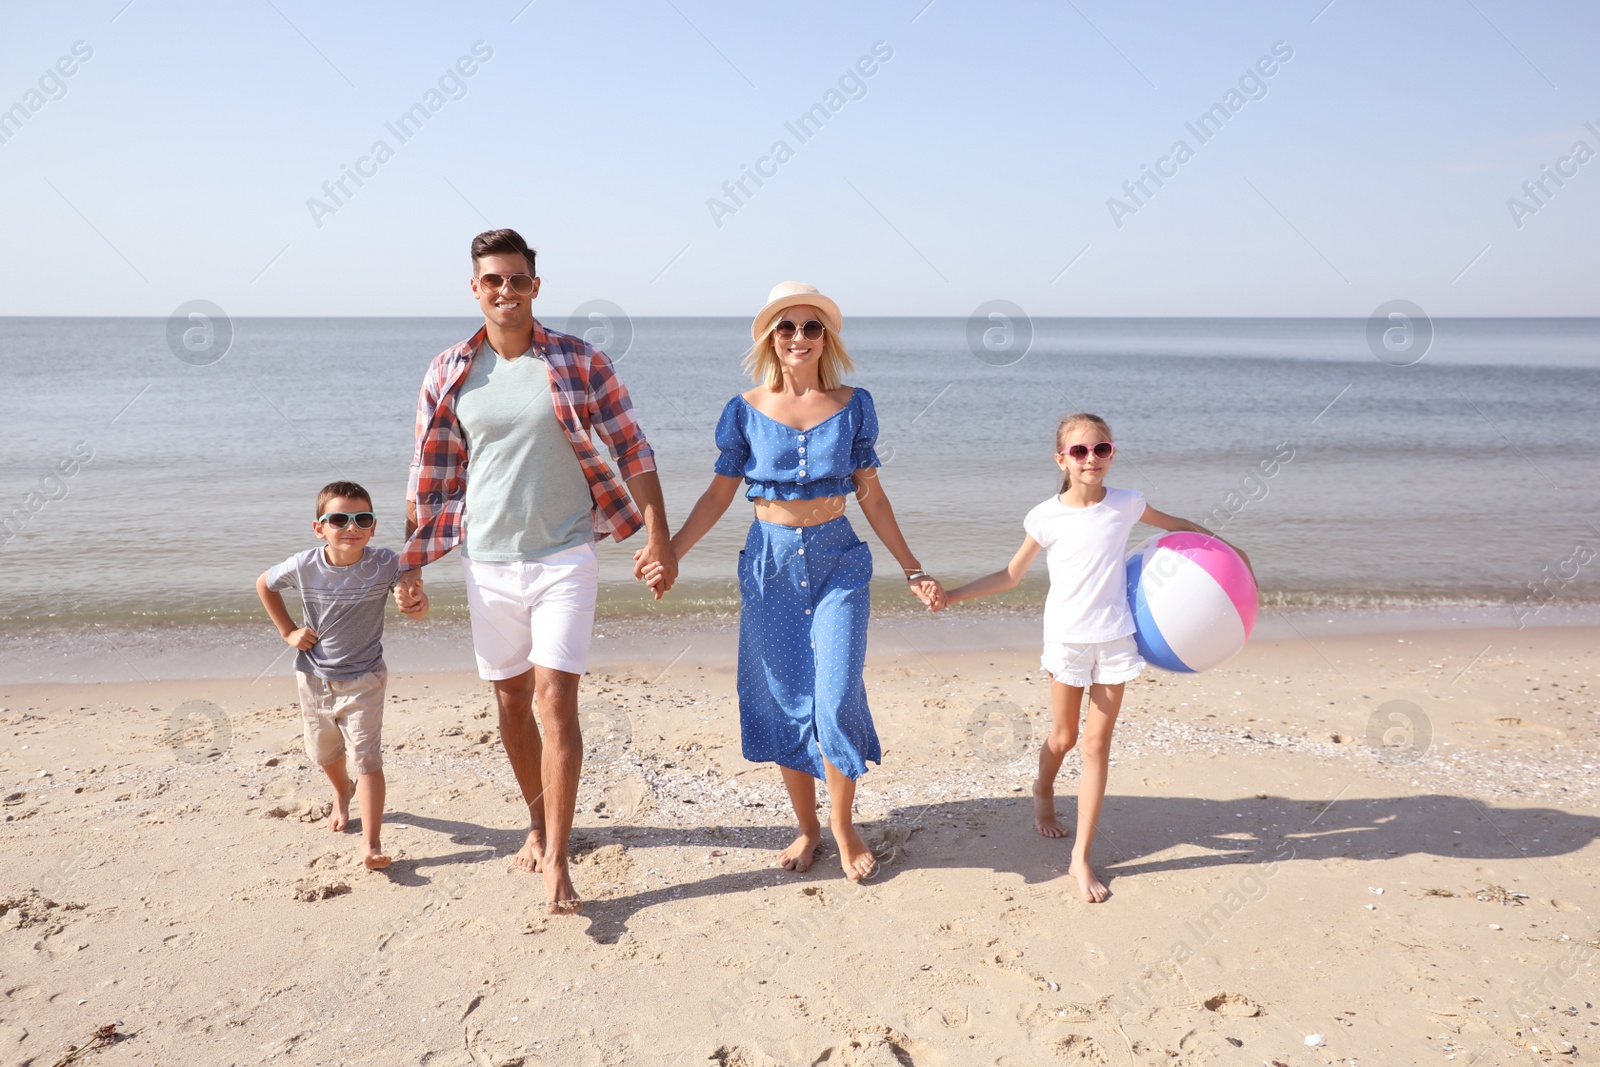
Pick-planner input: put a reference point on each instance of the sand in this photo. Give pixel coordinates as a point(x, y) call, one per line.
point(1372, 849)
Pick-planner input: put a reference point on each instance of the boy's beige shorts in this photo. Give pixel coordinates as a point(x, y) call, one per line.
point(336, 710)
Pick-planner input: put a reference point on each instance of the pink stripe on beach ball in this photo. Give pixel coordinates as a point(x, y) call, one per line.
point(1224, 566)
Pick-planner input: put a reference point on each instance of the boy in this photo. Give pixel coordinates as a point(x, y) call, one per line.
point(343, 586)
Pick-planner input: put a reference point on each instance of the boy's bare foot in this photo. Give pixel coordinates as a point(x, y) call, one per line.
point(339, 817)
point(1044, 812)
point(373, 859)
point(560, 896)
point(530, 857)
point(854, 855)
point(1093, 890)
point(805, 848)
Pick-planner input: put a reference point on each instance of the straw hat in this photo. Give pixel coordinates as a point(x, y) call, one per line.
point(789, 294)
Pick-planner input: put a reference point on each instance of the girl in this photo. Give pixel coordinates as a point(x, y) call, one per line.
point(803, 441)
point(1088, 628)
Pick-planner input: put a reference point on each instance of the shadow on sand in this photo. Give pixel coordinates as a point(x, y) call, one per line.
point(1138, 836)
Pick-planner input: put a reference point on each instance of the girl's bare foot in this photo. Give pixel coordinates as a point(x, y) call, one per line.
point(531, 855)
point(1044, 812)
point(1093, 890)
point(373, 858)
point(802, 851)
point(339, 817)
point(854, 855)
point(560, 896)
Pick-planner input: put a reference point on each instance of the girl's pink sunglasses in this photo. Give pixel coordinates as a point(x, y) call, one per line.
point(1103, 450)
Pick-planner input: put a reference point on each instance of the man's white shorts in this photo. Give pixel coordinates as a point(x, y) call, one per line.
point(533, 612)
point(1093, 663)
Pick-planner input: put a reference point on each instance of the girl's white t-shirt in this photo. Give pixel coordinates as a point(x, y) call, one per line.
point(1088, 599)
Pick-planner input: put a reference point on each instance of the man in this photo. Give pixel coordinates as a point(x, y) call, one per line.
point(515, 404)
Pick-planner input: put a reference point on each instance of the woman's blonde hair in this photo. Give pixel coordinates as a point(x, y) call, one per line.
point(1069, 422)
point(762, 361)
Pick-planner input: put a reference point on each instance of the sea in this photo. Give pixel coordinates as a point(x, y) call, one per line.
point(150, 469)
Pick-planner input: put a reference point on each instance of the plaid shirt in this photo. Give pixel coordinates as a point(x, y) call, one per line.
point(587, 397)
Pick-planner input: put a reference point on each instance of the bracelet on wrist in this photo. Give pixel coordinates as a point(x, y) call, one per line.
point(918, 575)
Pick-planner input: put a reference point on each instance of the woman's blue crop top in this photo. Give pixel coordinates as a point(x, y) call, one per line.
point(780, 462)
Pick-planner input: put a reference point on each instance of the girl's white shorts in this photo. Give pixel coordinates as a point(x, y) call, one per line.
point(1082, 664)
point(533, 612)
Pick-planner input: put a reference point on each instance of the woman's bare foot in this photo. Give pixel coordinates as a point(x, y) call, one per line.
point(560, 896)
point(1044, 812)
point(802, 851)
point(530, 856)
point(339, 817)
point(374, 859)
point(854, 855)
point(1093, 890)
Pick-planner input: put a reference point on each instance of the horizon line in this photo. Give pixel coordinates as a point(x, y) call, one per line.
point(950, 318)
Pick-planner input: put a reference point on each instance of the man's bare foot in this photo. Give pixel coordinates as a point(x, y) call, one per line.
point(530, 857)
point(339, 817)
point(1044, 812)
point(802, 851)
point(1093, 890)
point(854, 855)
point(560, 896)
point(374, 859)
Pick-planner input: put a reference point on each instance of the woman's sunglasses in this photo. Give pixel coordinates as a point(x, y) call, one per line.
point(811, 330)
point(521, 284)
point(364, 520)
point(1103, 450)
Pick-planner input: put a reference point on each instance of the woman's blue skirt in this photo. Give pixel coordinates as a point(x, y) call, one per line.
point(802, 646)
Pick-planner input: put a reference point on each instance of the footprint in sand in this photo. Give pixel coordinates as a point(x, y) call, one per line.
point(309, 890)
point(1078, 1048)
point(625, 798)
point(309, 811)
point(1035, 1016)
point(34, 909)
point(736, 1056)
point(608, 865)
point(1233, 1004)
point(876, 1046)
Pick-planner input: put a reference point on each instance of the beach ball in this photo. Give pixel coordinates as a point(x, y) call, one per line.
point(1193, 601)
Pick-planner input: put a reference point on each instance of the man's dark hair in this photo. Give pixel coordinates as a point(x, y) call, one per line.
point(501, 243)
point(348, 490)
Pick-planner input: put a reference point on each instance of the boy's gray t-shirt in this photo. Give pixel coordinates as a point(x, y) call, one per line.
point(344, 605)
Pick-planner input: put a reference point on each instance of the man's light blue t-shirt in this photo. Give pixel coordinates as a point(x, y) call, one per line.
point(527, 496)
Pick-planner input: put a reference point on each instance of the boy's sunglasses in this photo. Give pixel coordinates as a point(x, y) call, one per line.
point(521, 284)
point(811, 330)
point(364, 520)
point(1103, 450)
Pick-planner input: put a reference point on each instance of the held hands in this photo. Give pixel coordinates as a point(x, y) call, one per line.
point(302, 638)
point(930, 592)
point(408, 594)
point(657, 566)
point(417, 608)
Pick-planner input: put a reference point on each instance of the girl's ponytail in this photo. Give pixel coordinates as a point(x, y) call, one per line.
point(1077, 418)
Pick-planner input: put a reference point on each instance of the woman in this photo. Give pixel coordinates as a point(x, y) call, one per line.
point(802, 441)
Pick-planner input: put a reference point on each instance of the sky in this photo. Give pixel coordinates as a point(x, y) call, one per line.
point(958, 152)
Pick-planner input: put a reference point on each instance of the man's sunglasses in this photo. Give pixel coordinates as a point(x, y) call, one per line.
point(811, 330)
point(1103, 450)
point(521, 284)
point(364, 520)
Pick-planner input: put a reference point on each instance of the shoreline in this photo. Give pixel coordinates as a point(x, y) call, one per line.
point(124, 652)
